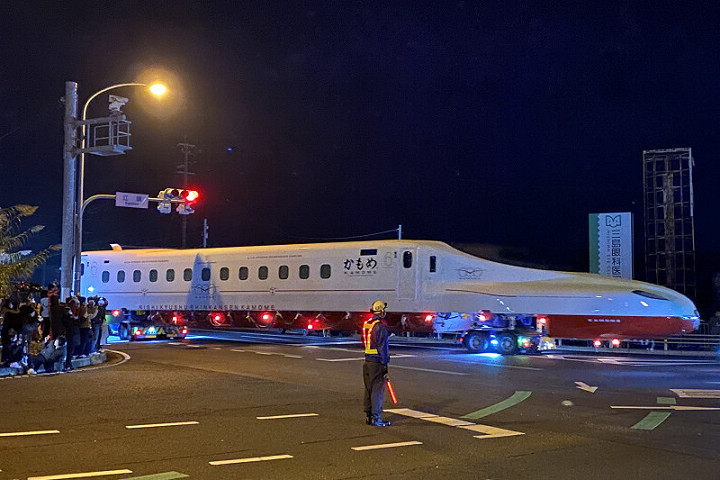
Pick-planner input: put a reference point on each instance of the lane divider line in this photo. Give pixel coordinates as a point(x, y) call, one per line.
point(81, 475)
point(340, 359)
point(651, 421)
point(669, 407)
point(22, 434)
point(155, 425)
point(514, 399)
point(486, 430)
point(444, 372)
point(160, 476)
point(249, 460)
point(294, 415)
point(386, 445)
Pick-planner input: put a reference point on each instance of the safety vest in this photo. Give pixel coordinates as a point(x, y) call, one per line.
point(367, 334)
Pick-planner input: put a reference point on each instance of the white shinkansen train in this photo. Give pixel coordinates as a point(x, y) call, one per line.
point(428, 286)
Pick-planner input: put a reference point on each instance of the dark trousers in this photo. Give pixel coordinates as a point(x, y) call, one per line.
point(96, 337)
point(374, 378)
point(85, 341)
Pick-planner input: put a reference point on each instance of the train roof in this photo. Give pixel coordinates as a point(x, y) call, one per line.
point(275, 248)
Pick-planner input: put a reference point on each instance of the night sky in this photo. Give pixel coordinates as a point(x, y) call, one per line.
point(500, 123)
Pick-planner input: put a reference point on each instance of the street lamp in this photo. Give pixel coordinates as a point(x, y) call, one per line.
point(156, 89)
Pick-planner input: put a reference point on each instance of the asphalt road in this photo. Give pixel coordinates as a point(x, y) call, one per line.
point(276, 407)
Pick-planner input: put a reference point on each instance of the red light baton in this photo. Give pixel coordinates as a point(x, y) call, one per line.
point(392, 392)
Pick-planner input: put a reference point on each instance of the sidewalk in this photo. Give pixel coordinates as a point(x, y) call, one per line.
point(94, 359)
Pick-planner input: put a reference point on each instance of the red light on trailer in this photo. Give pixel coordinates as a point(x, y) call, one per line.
point(218, 317)
point(310, 327)
point(184, 331)
point(615, 342)
point(542, 320)
point(597, 343)
point(266, 317)
point(429, 317)
point(175, 319)
point(138, 332)
point(116, 313)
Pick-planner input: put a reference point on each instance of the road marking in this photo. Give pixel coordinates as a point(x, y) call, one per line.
point(514, 399)
point(294, 415)
point(160, 476)
point(445, 372)
point(695, 393)
point(666, 401)
point(486, 430)
point(195, 346)
point(250, 460)
point(584, 386)
point(340, 359)
point(386, 445)
point(155, 425)
point(669, 407)
point(22, 434)
point(287, 355)
point(651, 421)
point(81, 475)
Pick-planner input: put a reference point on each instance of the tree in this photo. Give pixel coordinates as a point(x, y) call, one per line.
point(15, 264)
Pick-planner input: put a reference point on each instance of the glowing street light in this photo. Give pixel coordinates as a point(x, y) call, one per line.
point(75, 178)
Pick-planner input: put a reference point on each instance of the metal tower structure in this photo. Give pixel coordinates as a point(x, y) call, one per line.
point(669, 219)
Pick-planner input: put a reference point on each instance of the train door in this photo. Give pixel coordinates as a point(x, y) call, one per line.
point(406, 279)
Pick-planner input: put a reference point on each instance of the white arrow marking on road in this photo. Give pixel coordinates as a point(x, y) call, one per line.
point(586, 387)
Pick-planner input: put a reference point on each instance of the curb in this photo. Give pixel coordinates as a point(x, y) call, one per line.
point(93, 359)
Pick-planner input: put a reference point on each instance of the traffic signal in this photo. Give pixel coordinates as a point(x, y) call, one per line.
point(188, 197)
point(184, 198)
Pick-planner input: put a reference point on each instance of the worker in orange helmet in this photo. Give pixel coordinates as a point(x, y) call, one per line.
point(375, 339)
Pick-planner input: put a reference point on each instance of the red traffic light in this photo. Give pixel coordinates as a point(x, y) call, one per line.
point(190, 195)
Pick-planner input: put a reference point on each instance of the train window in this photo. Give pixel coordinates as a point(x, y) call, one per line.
point(170, 275)
point(224, 273)
point(243, 273)
point(283, 272)
point(368, 251)
point(304, 271)
point(105, 276)
point(187, 274)
point(654, 296)
point(121, 276)
point(136, 276)
point(325, 270)
point(153, 275)
point(263, 273)
point(82, 269)
point(205, 274)
point(433, 263)
point(407, 259)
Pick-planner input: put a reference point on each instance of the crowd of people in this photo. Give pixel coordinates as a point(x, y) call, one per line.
point(48, 334)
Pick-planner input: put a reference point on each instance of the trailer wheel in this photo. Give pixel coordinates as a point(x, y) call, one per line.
point(507, 344)
point(476, 342)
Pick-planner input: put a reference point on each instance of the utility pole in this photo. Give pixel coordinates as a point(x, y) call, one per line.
point(70, 208)
point(184, 168)
point(205, 232)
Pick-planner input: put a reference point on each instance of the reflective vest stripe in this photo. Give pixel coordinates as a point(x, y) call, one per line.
point(366, 336)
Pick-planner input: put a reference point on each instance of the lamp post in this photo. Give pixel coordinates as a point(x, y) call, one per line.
point(78, 194)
